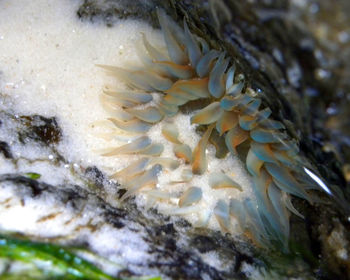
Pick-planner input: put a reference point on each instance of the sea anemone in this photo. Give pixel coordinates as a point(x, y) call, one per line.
point(201, 83)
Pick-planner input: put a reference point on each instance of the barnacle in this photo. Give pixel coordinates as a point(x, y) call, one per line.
point(230, 116)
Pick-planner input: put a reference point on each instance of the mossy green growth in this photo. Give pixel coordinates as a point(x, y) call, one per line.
point(33, 175)
point(60, 260)
point(49, 261)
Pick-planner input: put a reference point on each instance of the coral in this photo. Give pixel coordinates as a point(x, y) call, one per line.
point(203, 82)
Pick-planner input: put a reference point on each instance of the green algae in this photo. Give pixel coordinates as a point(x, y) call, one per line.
point(48, 261)
point(59, 261)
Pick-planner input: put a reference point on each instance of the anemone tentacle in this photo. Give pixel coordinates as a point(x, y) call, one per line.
point(232, 116)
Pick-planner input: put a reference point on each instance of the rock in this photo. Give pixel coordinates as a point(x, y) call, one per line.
point(279, 58)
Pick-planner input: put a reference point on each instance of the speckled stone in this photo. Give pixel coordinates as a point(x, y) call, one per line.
point(274, 54)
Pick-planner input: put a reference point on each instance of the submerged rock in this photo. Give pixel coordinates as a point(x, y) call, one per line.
point(279, 57)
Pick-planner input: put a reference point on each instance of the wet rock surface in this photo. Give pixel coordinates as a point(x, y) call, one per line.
point(174, 248)
point(280, 48)
point(279, 52)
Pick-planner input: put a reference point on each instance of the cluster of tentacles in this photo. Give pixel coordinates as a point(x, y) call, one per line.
point(231, 117)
